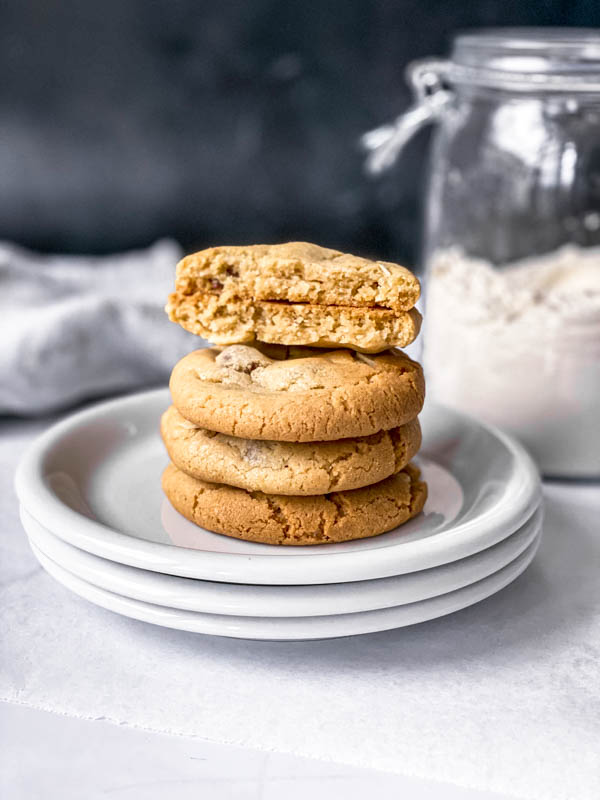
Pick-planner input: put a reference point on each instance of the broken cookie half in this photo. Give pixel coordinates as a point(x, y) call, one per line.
point(295, 294)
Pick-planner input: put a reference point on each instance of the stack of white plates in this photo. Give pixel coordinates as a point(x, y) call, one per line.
point(97, 521)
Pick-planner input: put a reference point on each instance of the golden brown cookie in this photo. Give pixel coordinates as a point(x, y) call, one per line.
point(238, 321)
point(292, 520)
point(295, 468)
point(297, 272)
point(297, 394)
point(295, 294)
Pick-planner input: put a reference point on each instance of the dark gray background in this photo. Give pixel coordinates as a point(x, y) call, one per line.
point(219, 122)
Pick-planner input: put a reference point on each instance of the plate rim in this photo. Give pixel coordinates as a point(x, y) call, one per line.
point(96, 537)
point(181, 596)
point(380, 619)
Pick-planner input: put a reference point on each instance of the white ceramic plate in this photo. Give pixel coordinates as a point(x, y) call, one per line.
point(279, 601)
point(94, 481)
point(293, 628)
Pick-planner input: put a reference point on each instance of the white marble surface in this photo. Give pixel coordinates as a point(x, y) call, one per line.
point(45, 755)
point(501, 697)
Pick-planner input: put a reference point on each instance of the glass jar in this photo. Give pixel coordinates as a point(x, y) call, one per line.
point(512, 238)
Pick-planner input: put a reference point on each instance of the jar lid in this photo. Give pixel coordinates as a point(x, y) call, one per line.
point(556, 59)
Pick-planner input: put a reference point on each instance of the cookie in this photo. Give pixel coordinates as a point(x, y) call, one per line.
point(296, 394)
point(295, 294)
point(304, 468)
point(296, 272)
point(292, 520)
point(236, 320)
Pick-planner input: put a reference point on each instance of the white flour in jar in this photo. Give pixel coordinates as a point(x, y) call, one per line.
point(519, 347)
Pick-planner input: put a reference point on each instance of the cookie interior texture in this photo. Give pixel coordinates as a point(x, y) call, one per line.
point(298, 272)
point(297, 395)
point(289, 468)
point(293, 520)
point(236, 321)
point(295, 294)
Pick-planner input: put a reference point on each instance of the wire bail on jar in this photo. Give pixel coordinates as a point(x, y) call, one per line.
point(427, 78)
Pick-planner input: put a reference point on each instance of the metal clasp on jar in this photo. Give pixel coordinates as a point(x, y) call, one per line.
point(432, 95)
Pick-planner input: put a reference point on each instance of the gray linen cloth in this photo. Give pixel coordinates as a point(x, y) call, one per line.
point(75, 327)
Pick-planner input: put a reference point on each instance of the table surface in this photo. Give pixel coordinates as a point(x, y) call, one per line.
point(45, 753)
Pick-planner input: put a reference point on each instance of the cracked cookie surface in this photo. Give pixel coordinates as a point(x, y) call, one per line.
point(295, 294)
point(296, 394)
point(289, 468)
point(293, 520)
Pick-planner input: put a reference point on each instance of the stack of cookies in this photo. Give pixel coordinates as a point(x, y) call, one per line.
point(298, 428)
